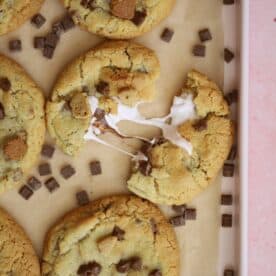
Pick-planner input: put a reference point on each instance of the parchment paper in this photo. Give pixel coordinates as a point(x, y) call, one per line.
point(198, 239)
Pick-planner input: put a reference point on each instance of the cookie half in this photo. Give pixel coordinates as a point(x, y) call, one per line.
point(118, 235)
point(22, 123)
point(15, 13)
point(17, 256)
point(172, 175)
point(120, 19)
point(115, 71)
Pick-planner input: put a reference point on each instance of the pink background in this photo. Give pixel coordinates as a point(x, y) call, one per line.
point(262, 141)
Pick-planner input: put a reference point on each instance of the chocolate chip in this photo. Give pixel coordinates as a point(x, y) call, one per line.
point(179, 208)
point(200, 125)
point(47, 150)
point(15, 45)
point(228, 2)
point(39, 42)
point(205, 35)
point(5, 84)
point(155, 272)
point(85, 89)
point(2, 112)
point(44, 169)
point(95, 168)
point(48, 52)
point(154, 227)
point(25, 192)
point(226, 220)
point(145, 167)
point(177, 220)
point(190, 214)
point(228, 272)
point(136, 264)
point(51, 40)
point(167, 35)
point(226, 199)
point(199, 50)
point(228, 170)
point(90, 269)
point(232, 97)
point(67, 23)
point(82, 198)
point(38, 20)
point(34, 183)
point(99, 114)
point(233, 153)
point(103, 87)
point(67, 171)
point(57, 28)
point(119, 233)
point(228, 55)
point(139, 17)
point(88, 4)
point(123, 266)
point(51, 184)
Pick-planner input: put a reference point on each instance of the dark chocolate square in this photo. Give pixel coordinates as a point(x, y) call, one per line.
point(44, 169)
point(47, 150)
point(228, 170)
point(226, 220)
point(34, 183)
point(67, 171)
point(48, 52)
point(25, 192)
point(139, 17)
point(199, 50)
point(228, 272)
point(190, 214)
point(167, 35)
point(226, 199)
point(82, 198)
point(39, 42)
point(228, 55)
point(205, 35)
point(57, 28)
point(177, 220)
point(51, 40)
point(95, 168)
point(51, 184)
point(228, 2)
point(67, 22)
point(15, 45)
point(38, 20)
point(179, 208)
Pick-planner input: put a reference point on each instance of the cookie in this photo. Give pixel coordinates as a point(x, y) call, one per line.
point(22, 124)
point(111, 72)
point(172, 175)
point(17, 256)
point(15, 13)
point(119, 19)
point(117, 235)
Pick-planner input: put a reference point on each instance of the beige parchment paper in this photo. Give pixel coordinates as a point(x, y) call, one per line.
point(198, 240)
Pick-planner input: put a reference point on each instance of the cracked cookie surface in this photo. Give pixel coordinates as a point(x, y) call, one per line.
point(119, 70)
point(15, 13)
point(17, 256)
point(172, 176)
point(119, 19)
point(114, 235)
point(22, 124)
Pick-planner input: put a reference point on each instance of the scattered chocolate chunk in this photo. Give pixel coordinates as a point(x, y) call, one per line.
point(15, 45)
point(232, 97)
point(205, 35)
point(167, 35)
point(139, 17)
point(145, 167)
point(95, 168)
point(88, 4)
point(5, 84)
point(90, 269)
point(47, 150)
point(103, 88)
point(228, 272)
point(226, 199)
point(226, 220)
point(51, 40)
point(57, 28)
point(136, 264)
point(44, 169)
point(228, 2)
point(179, 208)
point(15, 148)
point(48, 52)
point(39, 42)
point(82, 198)
point(200, 125)
point(25, 192)
point(190, 214)
point(51, 184)
point(155, 272)
point(154, 227)
point(124, 9)
point(2, 112)
point(38, 20)
point(228, 55)
point(85, 89)
point(177, 220)
point(99, 114)
point(123, 266)
point(67, 171)
point(67, 23)
point(199, 50)
point(119, 233)
point(34, 183)
point(228, 170)
point(232, 154)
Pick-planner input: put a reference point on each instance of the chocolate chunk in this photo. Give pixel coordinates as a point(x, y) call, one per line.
point(228, 2)
point(124, 9)
point(5, 84)
point(44, 169)
point(205, 35)
point(145, 168)
point(232, 154)
point(15, 148)
point(15, 45)
point(47, 150)
point(155, 272)
point(38, 20)
point(57, 28)
point(226, 220)
point(39, 42)
point(228, 170)
point(154, 227)
point(200, 125)
point(199, 50)
point(119, 233)
point(123, 266)
point(51, 184)
point(88, 4)
point(67, 23)
point(67, 171)
point(99, 114)
point(226, 199)
point(136, 264)
point(232, 97)
point(48, 52)
point(2, 112)
point(95, 168)
point(177, 220)
point(228, 55)
point(139, 17)
point(103, 88)
point(90, 269)
point(167, 35)
point(25, 192)
point(179, 208)
point(34, 183)
point(82, 198)
point(228, 272)
point(51, 40)
point(85, 89)
point(190, 214)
